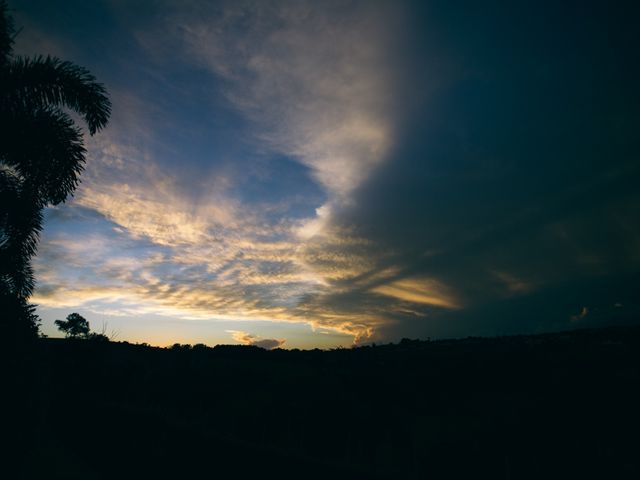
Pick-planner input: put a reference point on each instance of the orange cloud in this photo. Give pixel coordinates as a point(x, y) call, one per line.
point(419, 290)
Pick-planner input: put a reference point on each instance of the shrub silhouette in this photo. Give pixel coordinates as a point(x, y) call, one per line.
point(98, 337)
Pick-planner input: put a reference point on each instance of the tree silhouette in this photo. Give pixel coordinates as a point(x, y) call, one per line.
point(41, 156)
point(74, 326)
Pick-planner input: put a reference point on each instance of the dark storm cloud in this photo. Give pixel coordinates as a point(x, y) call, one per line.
point(516, 173)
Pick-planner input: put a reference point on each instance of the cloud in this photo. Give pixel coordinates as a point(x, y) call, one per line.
point(482, 193)
point(152, 208)
point(583, 313)
point(418, 290)
point(146, 269)
point(249, 339)
point(314, 80)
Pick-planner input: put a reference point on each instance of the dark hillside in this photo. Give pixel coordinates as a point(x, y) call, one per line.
point(562, 405)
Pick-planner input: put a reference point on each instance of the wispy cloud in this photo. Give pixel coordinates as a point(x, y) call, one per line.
point(314, 79)
point(580, 316)
point(418, 290)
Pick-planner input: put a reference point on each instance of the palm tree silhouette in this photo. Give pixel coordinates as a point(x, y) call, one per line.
point(41, 153)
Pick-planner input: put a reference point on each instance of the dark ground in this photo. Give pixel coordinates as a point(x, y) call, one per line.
point(563, 405)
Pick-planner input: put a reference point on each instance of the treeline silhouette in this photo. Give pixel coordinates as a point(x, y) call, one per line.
point(563, 405)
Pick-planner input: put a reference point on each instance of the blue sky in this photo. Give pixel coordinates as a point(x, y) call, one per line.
point(319, 174)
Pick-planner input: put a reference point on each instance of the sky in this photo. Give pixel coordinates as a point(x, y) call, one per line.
point(304, 174)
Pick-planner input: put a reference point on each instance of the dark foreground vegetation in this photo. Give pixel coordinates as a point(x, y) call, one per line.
point(564, 405)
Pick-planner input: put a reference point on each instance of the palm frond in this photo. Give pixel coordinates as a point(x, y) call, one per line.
point(46, 150)
point(6, 34)
point(44, 82)
point(9, 197)
point(19, 318)
point(20, 227)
